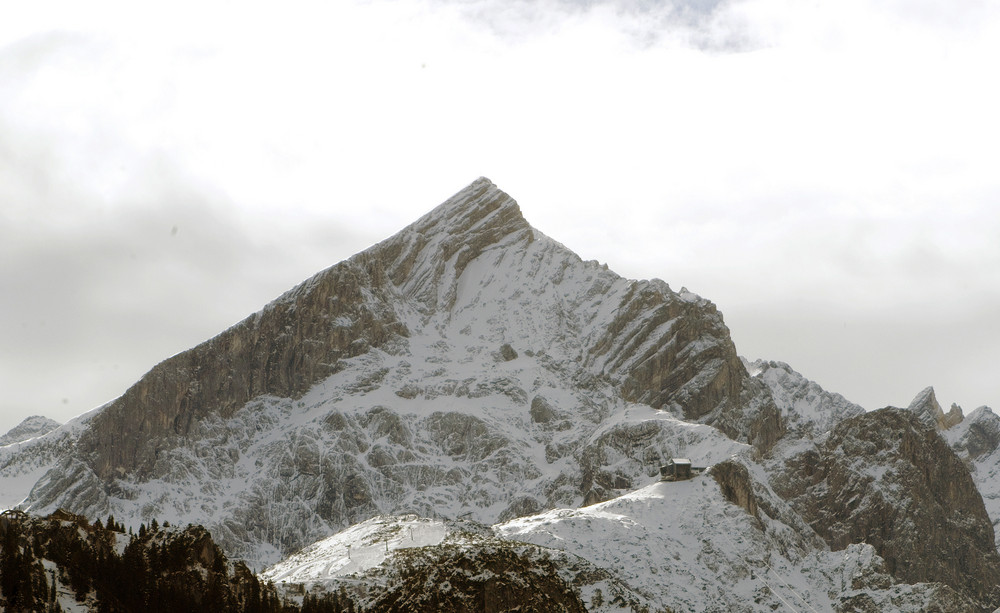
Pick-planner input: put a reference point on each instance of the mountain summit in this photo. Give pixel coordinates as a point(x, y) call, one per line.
point(469, 368)
point(400, 341)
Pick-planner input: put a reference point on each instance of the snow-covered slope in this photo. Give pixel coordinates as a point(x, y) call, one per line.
point(356, 549)
point(377, 562)
point(688, 548)
point(682, 546)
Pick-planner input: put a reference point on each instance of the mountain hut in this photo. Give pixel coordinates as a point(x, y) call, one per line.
point(677, 469)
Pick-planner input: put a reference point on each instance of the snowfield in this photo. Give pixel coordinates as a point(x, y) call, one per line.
point(356, 549)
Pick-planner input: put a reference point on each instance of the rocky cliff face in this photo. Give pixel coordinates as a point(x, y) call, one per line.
point(887, 479)
point(281, 351)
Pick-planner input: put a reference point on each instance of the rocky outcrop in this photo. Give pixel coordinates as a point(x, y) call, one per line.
point(673, 351)
point(925, 405)
point(887, 479)
point(473, 580)
point(923, 597)
point(734, 480)
point(473, 574)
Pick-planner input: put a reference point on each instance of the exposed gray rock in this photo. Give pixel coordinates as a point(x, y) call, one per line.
point(541, 411)
point(520, 507)
point(734, 479)
point(507, 352)
point(673, 351)
point(887, 479)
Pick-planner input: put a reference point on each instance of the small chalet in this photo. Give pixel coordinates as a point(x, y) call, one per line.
point(677, 469)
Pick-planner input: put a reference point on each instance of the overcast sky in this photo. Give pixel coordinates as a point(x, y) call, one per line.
point(827, 173)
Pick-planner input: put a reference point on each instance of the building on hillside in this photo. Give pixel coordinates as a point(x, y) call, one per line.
point(677, 469)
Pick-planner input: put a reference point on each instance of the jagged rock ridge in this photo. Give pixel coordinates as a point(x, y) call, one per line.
point(666, 349)
point(927, 408)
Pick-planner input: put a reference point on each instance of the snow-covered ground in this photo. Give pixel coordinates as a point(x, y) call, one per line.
point(680, 543)
point(356, 549)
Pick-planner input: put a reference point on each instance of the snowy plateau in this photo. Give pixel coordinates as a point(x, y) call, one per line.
point(469, 387)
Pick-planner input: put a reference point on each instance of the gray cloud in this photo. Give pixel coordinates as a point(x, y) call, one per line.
point(705, 25)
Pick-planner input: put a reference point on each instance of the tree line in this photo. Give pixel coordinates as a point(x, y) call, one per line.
point(158, 570)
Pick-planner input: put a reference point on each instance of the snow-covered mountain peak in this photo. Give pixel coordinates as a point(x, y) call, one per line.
point(807, 408)
point(468, 364)
point(977, 435)
point(33, 426)
point(425, 260)
point(927, 408)
point(480, 205)
point(471, 367)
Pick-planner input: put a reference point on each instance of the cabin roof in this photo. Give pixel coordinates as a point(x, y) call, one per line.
point(680, 461)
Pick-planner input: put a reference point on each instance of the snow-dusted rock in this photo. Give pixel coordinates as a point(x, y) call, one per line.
point(977, 441)
point(471, 367)
point(410, 563)
point(33, 426)
point(887, 479)
point(808, 409)
point(468, 365)
point(925, 405)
